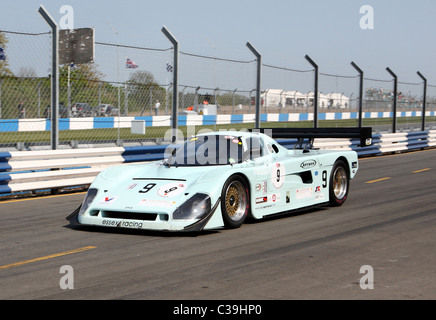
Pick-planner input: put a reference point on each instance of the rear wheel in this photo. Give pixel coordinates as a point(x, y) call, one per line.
point(339, 183)
point(234, 202)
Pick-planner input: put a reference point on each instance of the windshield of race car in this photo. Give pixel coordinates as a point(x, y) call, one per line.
point(208, 150)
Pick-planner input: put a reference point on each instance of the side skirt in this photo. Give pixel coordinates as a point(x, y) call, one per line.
point(282, 213)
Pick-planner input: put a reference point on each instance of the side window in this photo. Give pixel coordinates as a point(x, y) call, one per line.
point(255, 147)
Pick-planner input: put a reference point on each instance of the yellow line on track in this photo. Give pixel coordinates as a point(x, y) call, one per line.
point(422, 170)
point(382, 179)
point(51, 256)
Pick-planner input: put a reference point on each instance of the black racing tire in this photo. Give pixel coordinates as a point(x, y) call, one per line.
point(235, 203)
point(339, 184)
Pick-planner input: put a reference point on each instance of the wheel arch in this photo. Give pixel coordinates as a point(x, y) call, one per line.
point(333, 200)
point(248, 184)
point(347, 165)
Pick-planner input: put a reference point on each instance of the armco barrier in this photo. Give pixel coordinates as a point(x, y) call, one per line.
point(37, 170)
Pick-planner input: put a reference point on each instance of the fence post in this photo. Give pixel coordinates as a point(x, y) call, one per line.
point(360, 92)
point(175, 102)
point(54, 78)
point(315, 92)
point(424, 100)
point(394, 120)
point(258, 83)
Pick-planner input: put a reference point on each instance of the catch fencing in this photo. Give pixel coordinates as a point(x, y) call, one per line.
point(98, 102)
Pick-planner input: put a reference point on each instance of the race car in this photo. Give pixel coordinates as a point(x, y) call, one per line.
point(219, 179)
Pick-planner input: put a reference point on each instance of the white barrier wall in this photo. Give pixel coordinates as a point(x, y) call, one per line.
point(36, 170)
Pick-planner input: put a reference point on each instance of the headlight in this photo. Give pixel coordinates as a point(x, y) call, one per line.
point(195, 208)
point(88, 200)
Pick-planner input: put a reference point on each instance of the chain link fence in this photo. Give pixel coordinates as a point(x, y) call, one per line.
point(431, 106)
point(100, 101)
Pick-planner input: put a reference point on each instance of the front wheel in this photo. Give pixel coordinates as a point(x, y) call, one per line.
point(234, 202)
point(339, 184)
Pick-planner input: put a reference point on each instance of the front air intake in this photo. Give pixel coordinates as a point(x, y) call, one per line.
point(129, 215)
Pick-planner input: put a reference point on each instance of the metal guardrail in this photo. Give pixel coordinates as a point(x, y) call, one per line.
point(55, 169)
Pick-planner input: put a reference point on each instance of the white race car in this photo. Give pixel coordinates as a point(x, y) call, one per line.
point(219, 179)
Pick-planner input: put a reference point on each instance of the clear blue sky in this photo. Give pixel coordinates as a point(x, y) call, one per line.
point(283, 31)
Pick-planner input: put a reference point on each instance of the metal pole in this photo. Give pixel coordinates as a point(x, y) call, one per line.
point(258, 82)
point(360, 92)
point(54, 78)
point(175, 83)
point(394, 119)
point(315, 93)
point(424, 100)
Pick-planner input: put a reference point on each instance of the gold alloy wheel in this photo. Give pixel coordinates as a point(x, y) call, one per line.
point(235, 201)
point(340, 183)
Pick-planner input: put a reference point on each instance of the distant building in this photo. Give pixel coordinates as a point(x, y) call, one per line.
point(277, 98)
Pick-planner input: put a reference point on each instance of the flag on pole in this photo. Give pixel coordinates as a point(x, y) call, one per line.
point(130, 64)
point(169, 67)
point(2, 54)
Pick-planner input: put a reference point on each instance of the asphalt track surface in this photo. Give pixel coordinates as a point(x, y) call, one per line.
point(387, 223)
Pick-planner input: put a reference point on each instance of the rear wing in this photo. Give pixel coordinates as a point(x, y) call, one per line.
point(362, 133)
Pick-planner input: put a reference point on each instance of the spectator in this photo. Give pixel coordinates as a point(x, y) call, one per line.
point(20, 108)
point(156, 107)
point(47, 112)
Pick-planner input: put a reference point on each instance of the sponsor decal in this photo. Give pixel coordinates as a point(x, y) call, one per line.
point(132, 186)
point(156, 203)
point(122, 224)
point(261, 200)
point(271, 198)
point(171, 189)
point(304, 193)
point(368, 141)
point(308, 164)
point(275, 197)
point(130, 224)
point(107, 200)
point(318, 193)
point(262, 187)
point(265, 206)
point(319, 196)
point(110, 223)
